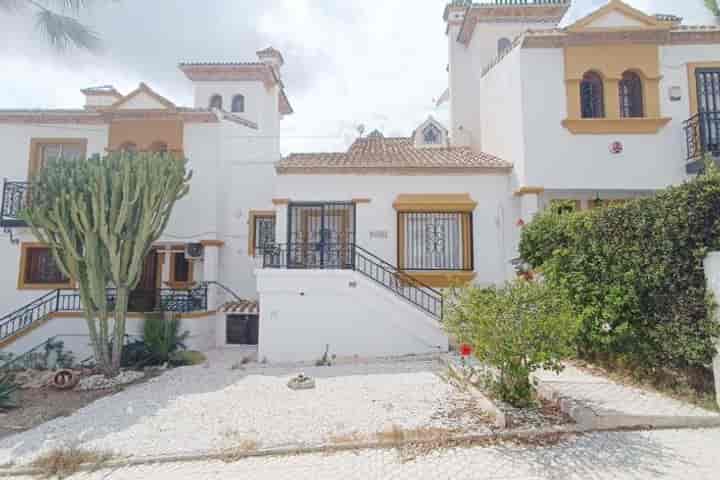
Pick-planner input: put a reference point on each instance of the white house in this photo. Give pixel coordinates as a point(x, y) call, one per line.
point(588, 104)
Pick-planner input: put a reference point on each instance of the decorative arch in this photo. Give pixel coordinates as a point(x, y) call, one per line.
point(238, 103)
point(431, 135)
point(630, 90)
point(216, 101)
point(592, 91)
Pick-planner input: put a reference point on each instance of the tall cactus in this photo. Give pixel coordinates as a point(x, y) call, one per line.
point(100, 217)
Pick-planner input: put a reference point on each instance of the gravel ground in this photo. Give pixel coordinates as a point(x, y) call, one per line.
point(222, 405)
point(669, 454)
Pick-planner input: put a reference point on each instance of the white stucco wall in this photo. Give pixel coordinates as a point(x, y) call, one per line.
point(712, 274)
point(493, 220)
point(303, 311)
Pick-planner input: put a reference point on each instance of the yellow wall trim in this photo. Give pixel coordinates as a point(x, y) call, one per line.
point(37, 143)
point(280, 201)
point(692, 83)
point(528, 191)
point(443, 279)
point(602, 126)
point(195, 315)
point(212, 243)
point(432, 202)
point(361, 200)
point(22, 284)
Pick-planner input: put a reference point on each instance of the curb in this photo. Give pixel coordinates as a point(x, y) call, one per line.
point(588, 419)
point(484, 402)
point(520, 434)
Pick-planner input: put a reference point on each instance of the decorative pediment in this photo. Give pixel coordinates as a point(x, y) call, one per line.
point(617, 15)
point(430, 133)
point(144, 98)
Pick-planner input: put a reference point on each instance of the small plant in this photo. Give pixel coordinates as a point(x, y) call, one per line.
point(64, 462)
point(517, 329)
point(162, 337)
point(7, 391)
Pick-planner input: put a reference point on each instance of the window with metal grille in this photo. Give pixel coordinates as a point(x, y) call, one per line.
point(631, 96)
point(432, 135)
point(503, 46)
point(182, 269)
point(40, 269)
point(264, 233)
point(592, 102)
point(238, 104)
point(216, 101)
point(435, 241)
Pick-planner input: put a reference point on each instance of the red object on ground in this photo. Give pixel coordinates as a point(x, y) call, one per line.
point(465, 350)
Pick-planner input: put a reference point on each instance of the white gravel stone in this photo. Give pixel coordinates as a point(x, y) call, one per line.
point(99, 382)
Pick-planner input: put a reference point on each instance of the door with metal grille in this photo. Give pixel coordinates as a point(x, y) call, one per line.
point(708, 101)
point(320, 235)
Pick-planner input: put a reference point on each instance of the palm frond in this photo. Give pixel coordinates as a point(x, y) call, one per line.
point(63, 31)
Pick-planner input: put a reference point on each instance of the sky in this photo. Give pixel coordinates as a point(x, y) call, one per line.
point(379, 63)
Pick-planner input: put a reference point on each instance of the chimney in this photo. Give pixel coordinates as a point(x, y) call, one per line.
point(99, 97)
point(272, 57)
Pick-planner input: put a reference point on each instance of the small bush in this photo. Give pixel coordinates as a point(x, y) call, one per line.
point(162, 337)
point(7, 391)
point(518, 328)
point(186, 357)
point(64, 462)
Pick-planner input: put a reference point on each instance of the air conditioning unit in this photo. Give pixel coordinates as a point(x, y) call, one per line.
point(194, 251)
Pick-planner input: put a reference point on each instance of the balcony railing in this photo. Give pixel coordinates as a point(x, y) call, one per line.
point(702, 134)
point(14, 199)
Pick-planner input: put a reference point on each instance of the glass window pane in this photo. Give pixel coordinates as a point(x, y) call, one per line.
point(433, 241)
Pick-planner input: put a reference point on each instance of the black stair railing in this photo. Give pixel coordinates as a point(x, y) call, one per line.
point(14, 199)
point(348, 256)
point(166, 300)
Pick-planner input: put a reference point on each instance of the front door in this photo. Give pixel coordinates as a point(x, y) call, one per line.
point(321, 235)
point(708, 101)
point(145, 296)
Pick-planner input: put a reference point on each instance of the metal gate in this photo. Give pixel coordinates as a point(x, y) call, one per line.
point(321, 235)
point(708, 92)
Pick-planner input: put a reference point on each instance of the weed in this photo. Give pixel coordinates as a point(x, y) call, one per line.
point(64, 462)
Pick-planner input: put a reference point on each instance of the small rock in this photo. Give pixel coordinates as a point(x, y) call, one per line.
point(301, 382)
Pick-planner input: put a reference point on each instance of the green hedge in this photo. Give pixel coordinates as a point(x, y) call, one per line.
point(634, 273)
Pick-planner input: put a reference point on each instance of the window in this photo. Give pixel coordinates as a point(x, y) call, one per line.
point(238, 104)
point(43, 151)
point(432, 135)
point(503, 46)
point(592, 102)
point(216, 102)
point(38, 269)
point(435, 241)
point(631, 96)
point(181, 269)
point(262, 232)
point(565, 206)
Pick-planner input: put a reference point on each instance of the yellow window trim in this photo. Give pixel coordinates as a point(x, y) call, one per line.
point(251, 227)
point(22, 284)
point(692, 83)
point(528, 190)
point(602, 126)
point(172, 283)
point(37, 143)
point(442, 279)
point(435, 203)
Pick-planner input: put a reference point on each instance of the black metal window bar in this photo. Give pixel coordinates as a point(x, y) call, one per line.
point(631, 96)
point(264, 233)
point(702, 131)
point(168, 300)
point(14, 199)
point(435, 241)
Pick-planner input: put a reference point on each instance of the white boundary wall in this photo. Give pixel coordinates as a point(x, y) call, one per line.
point(302, 311)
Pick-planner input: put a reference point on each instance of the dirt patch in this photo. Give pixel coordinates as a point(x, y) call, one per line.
point(40, 405)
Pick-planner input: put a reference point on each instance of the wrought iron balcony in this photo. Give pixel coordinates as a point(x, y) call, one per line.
point(14, 199)
point(702, 134)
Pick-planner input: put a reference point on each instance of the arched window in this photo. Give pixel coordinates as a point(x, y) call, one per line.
point(159, 147)
point(238, 104)
point(128, 147)
point(592, 103)
point(431, 135)
point(631, 96)
point(503, 45)
point(216, 102)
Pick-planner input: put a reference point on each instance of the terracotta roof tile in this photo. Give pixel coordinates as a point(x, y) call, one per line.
point(390, 153)
point(246, 307)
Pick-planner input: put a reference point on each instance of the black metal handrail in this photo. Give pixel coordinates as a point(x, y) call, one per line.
point(348, 256)
point(702, 134)
point(56, 301)
point(14, 199)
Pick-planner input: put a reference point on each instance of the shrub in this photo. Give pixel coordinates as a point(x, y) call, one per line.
point(7, 390)
point(634, 273)
point(162, 337)
point(519, 328)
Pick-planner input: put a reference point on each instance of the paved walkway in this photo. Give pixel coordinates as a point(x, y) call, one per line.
point(613, 404)
point(668, 454)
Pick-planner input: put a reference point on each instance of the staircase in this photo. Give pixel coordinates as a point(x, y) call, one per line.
point(349, 256)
